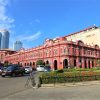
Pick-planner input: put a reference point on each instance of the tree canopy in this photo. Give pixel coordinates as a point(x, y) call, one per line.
point(40, 62)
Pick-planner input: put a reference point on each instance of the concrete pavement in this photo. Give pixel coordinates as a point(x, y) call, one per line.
point(71, 84)
point(90, 92)
point(14, 89)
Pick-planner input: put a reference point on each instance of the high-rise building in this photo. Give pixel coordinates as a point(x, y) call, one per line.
point(4, 37)
point(18, 45)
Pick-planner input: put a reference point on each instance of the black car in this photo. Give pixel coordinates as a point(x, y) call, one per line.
point(13, 70)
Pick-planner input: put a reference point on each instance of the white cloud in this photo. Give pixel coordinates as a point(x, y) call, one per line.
point(4, 2)
point(30, 37)
point(5, 20)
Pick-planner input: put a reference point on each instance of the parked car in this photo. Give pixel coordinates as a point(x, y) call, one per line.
point(28, 69)
point(40, 68)
point(43, 68)
point(13, 70)
point(47, 68)
point(1, 69)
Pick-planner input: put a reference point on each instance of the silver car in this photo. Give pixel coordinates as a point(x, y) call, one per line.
point(28, 69)
point(40, 68)
point(43, 68)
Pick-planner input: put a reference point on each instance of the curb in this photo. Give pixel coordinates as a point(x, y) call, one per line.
point(70, 84)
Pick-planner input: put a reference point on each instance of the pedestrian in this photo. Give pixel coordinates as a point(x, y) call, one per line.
point(35, 79)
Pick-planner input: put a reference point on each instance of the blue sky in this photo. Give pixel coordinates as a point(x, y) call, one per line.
point(33, 21)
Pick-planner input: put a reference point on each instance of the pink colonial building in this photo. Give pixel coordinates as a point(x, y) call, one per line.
point(59, 53)
point(4, 53)
point(63, 52)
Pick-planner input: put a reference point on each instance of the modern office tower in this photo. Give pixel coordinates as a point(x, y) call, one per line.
point(17, 45)
point(0, 39)
point(4, 39)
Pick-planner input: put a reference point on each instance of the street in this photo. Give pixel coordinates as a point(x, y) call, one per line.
point(11, 85)
point(14, 89)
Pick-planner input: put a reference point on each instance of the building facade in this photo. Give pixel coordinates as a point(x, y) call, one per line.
point(4, 39)
point(18, 45)
point(4, 53)
point(89, 36)
point(59, 53)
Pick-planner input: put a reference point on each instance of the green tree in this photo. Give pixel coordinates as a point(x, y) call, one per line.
point(40, 62)
point(6, 63)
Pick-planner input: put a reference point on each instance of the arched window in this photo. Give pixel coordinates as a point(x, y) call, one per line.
point(74, 62)
point(30, 64)
point(80, 63)
point(33, 63)
point(65, 63)
point(92, 64)
point(47, 62)
point(80, 43)
point(27, 64)
point(55, 64)
point(89, 63)
point(96, 46)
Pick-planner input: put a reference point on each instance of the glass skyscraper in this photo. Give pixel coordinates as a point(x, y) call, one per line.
point(4, 39)
point(17, 45)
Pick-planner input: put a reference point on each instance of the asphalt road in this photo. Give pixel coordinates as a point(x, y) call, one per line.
point(14, 89)
point(12, 85)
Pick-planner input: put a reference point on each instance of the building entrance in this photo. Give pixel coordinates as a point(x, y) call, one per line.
point(55, 64)
point(65, 63)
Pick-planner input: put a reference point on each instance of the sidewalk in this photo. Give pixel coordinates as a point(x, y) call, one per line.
point(59, 92)
point(70, 84)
